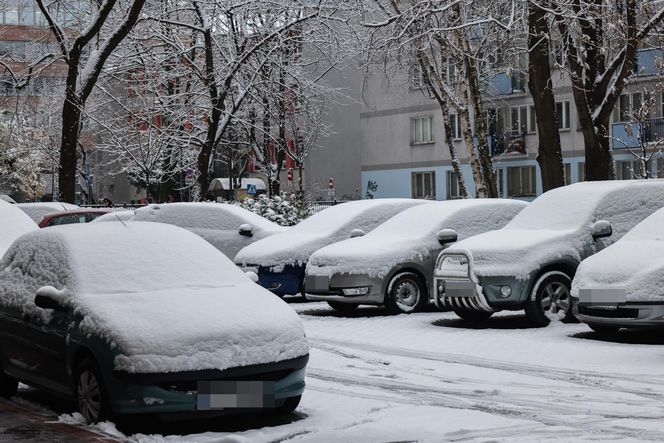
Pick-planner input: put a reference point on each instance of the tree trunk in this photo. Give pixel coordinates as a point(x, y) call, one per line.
point(464, 120)
point(599, 156)
point(549, 153)
point(71, 122)
point(456, 165)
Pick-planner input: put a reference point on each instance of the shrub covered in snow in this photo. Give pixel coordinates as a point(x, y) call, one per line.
point(282, 209)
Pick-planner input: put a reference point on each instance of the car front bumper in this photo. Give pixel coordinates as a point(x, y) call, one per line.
point(323, 288)
point(176, 393)
point(623, 315)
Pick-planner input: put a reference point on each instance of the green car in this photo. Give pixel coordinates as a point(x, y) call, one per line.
point(144, 318)
point(530, 263)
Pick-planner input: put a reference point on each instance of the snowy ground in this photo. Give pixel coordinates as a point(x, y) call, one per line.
point(428, 377)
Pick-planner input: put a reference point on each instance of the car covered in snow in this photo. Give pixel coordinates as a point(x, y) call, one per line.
point(13, 224)
point(8, 199)
point(623, 285)
point(393, 264)
point(530, 263)
point(115, 216)
point(38, 210)
point(124, 322)
point(280, 260)
point(227, 227)
point(78, 215)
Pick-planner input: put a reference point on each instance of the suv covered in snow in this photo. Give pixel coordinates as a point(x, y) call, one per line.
point(623, 286)
point(530, 263)
point(393, 264)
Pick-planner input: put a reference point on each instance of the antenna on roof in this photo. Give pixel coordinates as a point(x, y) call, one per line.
point(63, 206)
point(120, 220)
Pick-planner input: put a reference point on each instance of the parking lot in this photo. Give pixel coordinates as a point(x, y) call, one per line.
point(425, 377)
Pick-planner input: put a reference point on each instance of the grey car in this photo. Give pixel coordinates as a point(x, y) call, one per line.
point(393, 264)
point(530, 263)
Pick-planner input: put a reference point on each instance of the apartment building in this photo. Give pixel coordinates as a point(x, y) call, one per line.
point(404, 152)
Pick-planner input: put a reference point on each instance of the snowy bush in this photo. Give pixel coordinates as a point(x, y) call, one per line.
point(283, 210)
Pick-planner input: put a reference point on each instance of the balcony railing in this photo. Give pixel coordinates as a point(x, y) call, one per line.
point(632, 134)
point(508, 142)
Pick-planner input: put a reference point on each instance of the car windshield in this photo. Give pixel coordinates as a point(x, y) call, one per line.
point(338, 217)
point(648, 229)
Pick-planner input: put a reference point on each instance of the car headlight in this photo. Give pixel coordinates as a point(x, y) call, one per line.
point(505, 291)
point(364, 290)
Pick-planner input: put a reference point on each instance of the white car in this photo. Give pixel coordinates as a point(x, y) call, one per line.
point(623, 285)
point(13, 224)
point(530, 263)
point(228, 228)
point(38, 210)
point(280, 260)
point(115, 216)
point(393, 264)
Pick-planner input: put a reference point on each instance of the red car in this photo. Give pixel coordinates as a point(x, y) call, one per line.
point(83, 215)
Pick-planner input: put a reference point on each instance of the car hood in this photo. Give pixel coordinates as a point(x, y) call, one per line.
point(190, 329)
point(635, 265)
point(518, 252)
point(282, 249)
point(372, 255)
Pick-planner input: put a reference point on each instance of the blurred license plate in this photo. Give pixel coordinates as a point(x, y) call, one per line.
point(317, 283)
point(599, 296)
point(234, 394)
point(456, 288)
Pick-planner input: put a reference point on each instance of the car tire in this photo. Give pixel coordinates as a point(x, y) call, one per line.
point(470, 315)
point(290, 404)
point(550, 299)
point(342, 307)
point(8, 385)
point(603, 329)
point(406, 293)
point(90, 392)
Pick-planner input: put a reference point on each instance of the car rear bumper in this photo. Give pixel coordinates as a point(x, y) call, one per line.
point(624, 315)
point(176, 393)
point(287, 282)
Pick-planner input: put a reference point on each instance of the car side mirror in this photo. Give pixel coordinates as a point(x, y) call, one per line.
point(252, 276)
point(601, 229)
point(246, 230)
point(47, 298)
point(446, 236)
point(356, 233)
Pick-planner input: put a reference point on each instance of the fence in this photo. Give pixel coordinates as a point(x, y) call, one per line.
point(314, 206)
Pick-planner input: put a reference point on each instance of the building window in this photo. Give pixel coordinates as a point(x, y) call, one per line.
point(629, 169)
point(422, 128)
point(424, 185)
point(628, 104)
point(453, 187)
point(415, 78)
point(519, 119)
point(659, 164)
point(532, 120)
point(521, 181)
point(568, 173)
point(581, 171)
point(455, 125)
point(562, 115)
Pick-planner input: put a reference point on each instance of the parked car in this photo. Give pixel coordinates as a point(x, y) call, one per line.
point(623, 285)
point(124, 322)
point(78, 215)
point(393, 264)
point(530, 263)
point(228, 228)
point(13, 224)
point(8, 199)
point(37, 211)
point(115, 216)
point(280, 260)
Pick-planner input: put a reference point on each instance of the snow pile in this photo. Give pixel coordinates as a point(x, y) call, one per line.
point(411, 235)
point(321, 229)
point(558, 224)
point(279, 209)
point(115, 216)
point(635, 263)
point(13, 224)
point(175, 305)
point(37, 211)
point(218, 223)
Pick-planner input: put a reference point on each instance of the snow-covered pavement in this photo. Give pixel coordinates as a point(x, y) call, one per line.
point(429, 377)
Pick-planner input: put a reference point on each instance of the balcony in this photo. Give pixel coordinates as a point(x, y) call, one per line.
point(646, 62)
point(508, 142)
point(627, 134)
point(503, 84)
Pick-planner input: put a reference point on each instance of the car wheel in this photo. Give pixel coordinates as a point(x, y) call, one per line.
point(342, 307)
point(8, 385)
point(471, 315)
point(290, 404)
point(603, 329)
point(406, 293)
point(550, 299)
point(91, 396)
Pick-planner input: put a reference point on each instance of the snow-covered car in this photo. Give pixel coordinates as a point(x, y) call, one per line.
point(228, 228)
point(38, 210)
point(143, 318)
point(13, 224)
point(530, 263)
point(78, 215)
point(115, 216)
point(393, 264)
point(280, 260)
point(8, 199)
point(623, 285)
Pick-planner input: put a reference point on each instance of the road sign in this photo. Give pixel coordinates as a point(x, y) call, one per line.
point(330, 183)
point(290, 175)
point(251, 189)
